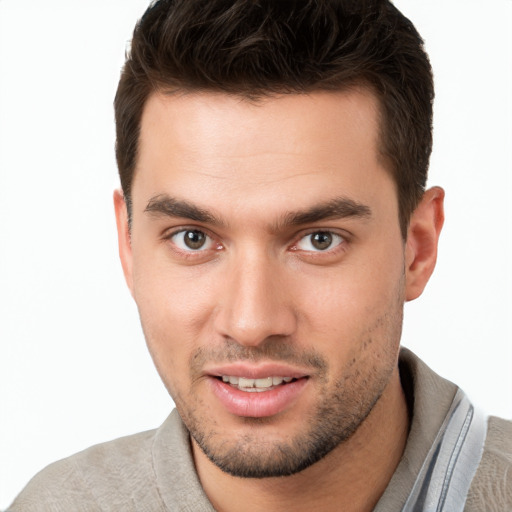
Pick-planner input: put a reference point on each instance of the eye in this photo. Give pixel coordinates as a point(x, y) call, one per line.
point(319, 241)
point(192, 240)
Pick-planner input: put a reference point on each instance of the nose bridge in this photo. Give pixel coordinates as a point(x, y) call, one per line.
point(255, 305)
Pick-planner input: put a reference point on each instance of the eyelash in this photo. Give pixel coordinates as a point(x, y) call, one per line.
point(341, 239)
point(336, 241)
point(191, 253)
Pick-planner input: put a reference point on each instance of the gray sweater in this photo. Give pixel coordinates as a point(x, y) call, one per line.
point(154, 471)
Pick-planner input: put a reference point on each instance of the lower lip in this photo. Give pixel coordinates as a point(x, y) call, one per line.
point(257, 404)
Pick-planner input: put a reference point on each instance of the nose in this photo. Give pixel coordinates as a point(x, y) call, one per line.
point(256, 303)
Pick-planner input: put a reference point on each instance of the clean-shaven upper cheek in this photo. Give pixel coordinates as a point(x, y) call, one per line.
point(180, 304)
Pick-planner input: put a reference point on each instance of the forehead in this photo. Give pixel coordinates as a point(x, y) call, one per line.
point(220, 120)
point(208, 145)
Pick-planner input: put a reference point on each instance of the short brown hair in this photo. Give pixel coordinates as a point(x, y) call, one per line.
point(256, 48)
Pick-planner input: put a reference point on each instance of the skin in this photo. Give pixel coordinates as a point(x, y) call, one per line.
point(260, 293)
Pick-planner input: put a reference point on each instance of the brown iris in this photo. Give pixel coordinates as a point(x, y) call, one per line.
point(194, 239)
point(321, 240)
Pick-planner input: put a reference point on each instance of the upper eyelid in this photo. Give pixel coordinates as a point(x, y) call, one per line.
point(300, 238)
point(192, 254)
point(170, 232)
point(335, 231)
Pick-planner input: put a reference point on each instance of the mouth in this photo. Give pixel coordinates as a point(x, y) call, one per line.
point(260, 385)
point(257, 392)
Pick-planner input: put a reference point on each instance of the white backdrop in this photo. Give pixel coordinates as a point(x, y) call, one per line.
point(74, 369)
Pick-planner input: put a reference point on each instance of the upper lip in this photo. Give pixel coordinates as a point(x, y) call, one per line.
point(252, 371)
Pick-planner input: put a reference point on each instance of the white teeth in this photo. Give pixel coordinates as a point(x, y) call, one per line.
point(245, 383)
point(263, 383)
point(255, 384)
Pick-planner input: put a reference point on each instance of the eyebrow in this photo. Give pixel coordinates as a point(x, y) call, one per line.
point(171, 207)
point(338, 208)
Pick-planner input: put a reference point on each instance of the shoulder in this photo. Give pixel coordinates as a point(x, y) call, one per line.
point(116, 473)
point(491, 489)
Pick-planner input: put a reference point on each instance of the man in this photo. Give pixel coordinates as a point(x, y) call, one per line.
point(273, 219)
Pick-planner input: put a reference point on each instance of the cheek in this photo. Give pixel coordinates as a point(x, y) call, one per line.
point(170, 294)
point(355, 303)
point(174, 307)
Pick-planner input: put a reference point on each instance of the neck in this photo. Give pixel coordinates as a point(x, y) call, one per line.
point(352, 477)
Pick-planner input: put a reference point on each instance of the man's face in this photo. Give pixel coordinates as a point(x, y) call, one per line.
point(267, 264)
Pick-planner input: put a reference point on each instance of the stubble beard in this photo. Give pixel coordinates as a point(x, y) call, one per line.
point(335, 420)
point(344, 407)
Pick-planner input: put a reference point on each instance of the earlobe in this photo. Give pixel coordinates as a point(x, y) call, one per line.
point(123, 237)
point(422, 241)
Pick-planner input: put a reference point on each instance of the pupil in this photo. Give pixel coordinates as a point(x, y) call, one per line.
point(194, 239)
point(321, 240)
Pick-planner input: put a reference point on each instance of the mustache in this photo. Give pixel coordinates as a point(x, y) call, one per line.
point(275, 349)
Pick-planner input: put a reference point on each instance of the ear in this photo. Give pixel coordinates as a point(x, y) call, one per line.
point(422, 240)
point(123, 237)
